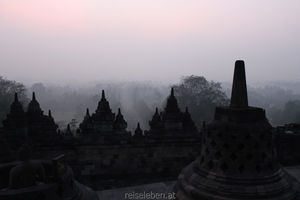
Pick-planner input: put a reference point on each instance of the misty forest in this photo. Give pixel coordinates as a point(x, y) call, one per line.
point(138, 100)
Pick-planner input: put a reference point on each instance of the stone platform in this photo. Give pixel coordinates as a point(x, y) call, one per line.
point(163, 187)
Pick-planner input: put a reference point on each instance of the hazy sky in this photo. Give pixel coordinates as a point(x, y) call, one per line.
point(158, 40)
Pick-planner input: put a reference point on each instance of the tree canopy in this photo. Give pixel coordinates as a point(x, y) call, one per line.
point(200, 96)
point(289, 114)
point(7, 91)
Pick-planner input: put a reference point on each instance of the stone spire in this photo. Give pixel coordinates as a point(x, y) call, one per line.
point(103, 105)
point(172, 116)
point(120, 123)
point(16, 118)
point(86, 123)
point(156, 122)
point(172, 92)
point(34, 106)
point(87, 113)
point(33, 96)
point(239, 96)
point(156, 116)
point(16, 106)
point(103, 95)
point(52, 122)
point(238, 158)
point(49, 114)
point(172, 105)
point(87, 116)
point(186, 115)
point(188, 123)
point(138, 131)
point(102, 121)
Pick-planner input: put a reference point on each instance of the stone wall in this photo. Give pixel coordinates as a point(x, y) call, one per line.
point(106, 166)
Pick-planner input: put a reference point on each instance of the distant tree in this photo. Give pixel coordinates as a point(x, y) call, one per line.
point(291, 112)
point(39, 88)
point(7, 91)
point(201, 97)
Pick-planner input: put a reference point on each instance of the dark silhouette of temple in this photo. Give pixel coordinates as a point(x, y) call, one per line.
point(104, 126)
point(171, 122)
point(138, 133)
point(238, 158)
point(37, 176)
point(31, 126)
point(16, 120)
point(237, 152)
point(103, 121)
point(102, 149)
point(137, 154)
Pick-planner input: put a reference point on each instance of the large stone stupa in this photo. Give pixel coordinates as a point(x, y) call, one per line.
point(238, 158)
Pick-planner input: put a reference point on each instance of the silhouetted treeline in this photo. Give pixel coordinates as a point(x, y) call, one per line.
point(281, 104)
point(201, 97)
point(7, 91)
point(138, 100)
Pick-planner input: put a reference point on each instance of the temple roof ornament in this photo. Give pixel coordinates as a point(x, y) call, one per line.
point(138, 131)
point(104, 121)
point(172, 105)
point(103, 105)
point(120, 123)
point(16, 118)
point(171, 121)
point(239, 97)
point(34, 106)
point(16, 106)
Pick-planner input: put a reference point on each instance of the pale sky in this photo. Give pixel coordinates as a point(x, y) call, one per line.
point(158, 40)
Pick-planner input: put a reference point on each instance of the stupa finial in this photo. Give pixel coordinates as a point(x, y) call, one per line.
point(239, 97)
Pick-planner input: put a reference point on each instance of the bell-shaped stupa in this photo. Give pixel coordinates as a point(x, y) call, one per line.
point(238, 158)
